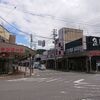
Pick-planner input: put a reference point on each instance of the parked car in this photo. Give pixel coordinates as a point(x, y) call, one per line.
point(36, 65)
point(42, 67)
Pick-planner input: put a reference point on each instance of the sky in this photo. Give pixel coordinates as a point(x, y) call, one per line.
point(40, 17)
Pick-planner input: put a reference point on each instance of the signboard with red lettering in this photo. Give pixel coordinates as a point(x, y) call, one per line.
point(11, 49)
point(94, 53)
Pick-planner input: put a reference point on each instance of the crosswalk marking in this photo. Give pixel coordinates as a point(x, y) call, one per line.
point(35, 80)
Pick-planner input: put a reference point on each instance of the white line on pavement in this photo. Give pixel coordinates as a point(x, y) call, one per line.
point(28, 79)
point(78, 81)
point(14, 80)
point(79, 87)
point(52, 80)
point(63, 92)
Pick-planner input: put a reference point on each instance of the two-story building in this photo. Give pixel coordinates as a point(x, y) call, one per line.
point(10, 52)
point(65, 35)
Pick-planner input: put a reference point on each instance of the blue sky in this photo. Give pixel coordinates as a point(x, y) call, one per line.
point(40, 17)
point(20, 38)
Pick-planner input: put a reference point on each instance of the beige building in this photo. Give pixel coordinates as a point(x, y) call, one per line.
point(70, 34)
point(5, 36)
point(4, 33)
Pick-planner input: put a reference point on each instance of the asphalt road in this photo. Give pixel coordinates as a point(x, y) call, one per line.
point(52, 85)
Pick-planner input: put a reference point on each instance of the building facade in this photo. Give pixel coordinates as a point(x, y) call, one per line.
point(10, 52)
point(80, 53)
point(84, 54)
point(5, 36)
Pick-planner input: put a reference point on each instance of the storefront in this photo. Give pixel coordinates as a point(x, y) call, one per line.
point(83, 54)
point(12, 53)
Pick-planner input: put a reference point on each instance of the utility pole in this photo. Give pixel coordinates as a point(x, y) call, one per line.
point(30, 56)
point(34, 41)
point(90, 64)
point(54, 38)
point(31, 41)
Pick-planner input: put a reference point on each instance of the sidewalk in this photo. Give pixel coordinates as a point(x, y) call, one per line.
point(22, 72)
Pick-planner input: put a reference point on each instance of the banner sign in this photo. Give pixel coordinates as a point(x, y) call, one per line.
point(74, 46)
point(11, 49)
point(93, 43)
point(87, 43)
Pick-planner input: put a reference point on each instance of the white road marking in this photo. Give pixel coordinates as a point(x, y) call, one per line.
point(52, 80)
point(78, 81)
point(80, 84)
point(79, 87)
point(35, 80)
point(91, 85)
point(63, 92)
point(14, 80)
point(28, 79)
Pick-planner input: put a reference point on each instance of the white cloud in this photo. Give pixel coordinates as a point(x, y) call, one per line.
point(41, 16)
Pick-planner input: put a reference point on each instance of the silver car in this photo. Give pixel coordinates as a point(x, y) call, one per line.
point(42, 67)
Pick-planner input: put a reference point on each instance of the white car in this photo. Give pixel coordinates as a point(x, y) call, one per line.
point(36, 65)
point(42, 67)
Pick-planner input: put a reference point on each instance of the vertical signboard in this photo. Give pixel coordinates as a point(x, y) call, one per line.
point(93, 43)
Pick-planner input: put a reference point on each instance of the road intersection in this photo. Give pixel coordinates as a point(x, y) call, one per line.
point(52, 85)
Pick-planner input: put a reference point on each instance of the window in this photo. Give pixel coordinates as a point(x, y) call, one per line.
point(59, 52)
point(59, 44)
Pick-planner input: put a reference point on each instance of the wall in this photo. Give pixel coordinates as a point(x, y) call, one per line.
point(70, 34)
point(12, 39)
point(4, 33)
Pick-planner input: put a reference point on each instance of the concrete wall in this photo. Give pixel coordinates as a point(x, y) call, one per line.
point(70, 34)
point(12, 39)
point(4, 33)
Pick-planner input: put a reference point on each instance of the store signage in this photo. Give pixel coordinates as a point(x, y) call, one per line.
point(74, 46)
point(94, 53)
point(75, 49)
point(93, 43)
point(9, 49)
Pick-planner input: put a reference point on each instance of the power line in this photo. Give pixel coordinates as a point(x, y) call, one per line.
point(43, 37)
point(14, 26)
point(10, 11)
point(22, 30)
point(41, 15)
point(55, 18)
